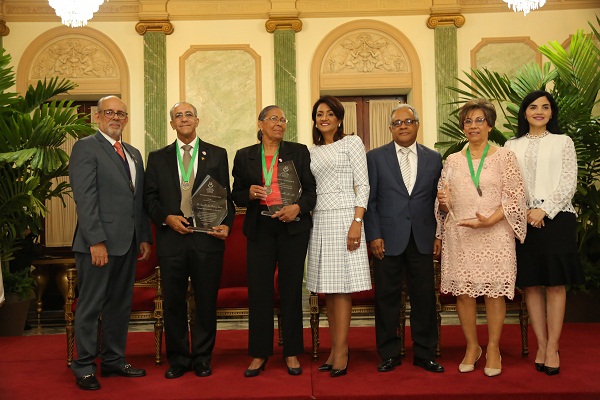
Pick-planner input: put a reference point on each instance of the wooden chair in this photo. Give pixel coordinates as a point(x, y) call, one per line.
point(363, 305)
point(146, 306)
point(232, 298)
point(447, 303)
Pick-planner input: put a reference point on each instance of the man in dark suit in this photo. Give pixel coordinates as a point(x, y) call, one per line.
point(400, 226)
point(183, 253)
point(107, 177)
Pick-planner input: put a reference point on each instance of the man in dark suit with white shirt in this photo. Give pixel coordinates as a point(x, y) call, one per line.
point(183, 254)
point(107, 177)
point(400, 228)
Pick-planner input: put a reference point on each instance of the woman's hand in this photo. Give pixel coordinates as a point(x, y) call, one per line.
point(443, 200)
point(257, 192)
point(287, 213)
point(354, 233)
point(482, 221)
point(535, 217)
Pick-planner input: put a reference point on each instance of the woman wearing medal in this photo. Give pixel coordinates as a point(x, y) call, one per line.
point(278, 241)
point(480, 210)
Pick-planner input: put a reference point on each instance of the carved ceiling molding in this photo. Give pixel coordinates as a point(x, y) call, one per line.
point(366, 51)
point(445, 19)
point(274, 24)
point(163, 26)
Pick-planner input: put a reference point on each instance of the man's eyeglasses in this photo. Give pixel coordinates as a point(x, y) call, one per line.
point(188, 114)
point(111, 114)
point(478, 121)
point(408, 122)
point(275, 119)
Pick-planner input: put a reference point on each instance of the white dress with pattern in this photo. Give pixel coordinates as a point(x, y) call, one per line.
point(340, 170)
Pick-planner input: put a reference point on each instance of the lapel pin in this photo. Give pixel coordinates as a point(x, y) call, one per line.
point(280, 160)
point(203, 153)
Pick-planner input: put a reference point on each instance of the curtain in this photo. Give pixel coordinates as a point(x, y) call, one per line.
point(350, 120)
point(379, 121)
point(61, 220)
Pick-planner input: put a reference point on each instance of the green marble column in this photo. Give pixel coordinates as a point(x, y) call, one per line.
point(285, 79)
point(446, 72)
point(155, 91)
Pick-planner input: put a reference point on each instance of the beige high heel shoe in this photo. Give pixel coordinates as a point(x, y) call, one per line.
point(470, 367)
point(492, 371)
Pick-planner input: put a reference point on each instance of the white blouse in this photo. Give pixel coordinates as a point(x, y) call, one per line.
point(549, 169)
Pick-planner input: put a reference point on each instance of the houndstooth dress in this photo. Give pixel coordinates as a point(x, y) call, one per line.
point(340, 170)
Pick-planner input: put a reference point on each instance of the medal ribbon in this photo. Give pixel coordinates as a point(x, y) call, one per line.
point(185, 175)
point(474, 177)
point(268, 173)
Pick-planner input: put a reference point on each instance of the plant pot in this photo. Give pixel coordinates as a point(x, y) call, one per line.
point(13, 314)
point(582, 306)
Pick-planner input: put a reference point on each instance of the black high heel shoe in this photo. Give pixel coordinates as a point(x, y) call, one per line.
point(292, 371)
point(335, 373)
point(251, 373)
point(539, 367)
point(551, 370)
point(325, 367)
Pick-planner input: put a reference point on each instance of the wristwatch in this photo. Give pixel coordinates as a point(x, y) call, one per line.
point(358, 220)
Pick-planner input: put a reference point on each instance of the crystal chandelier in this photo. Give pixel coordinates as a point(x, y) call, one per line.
point(525, 5)
point(75, 13)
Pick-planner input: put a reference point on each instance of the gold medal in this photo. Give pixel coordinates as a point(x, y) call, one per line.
point(269, 190)
point(186, 185)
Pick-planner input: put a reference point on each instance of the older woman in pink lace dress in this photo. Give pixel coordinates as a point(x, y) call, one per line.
point(480, 210)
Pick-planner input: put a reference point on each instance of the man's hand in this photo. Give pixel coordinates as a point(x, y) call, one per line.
point(99, 254)
point(220, 232)
point(377, 248)
point(145, 250)
point(178, 223)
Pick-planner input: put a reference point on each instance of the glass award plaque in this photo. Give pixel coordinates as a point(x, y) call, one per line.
point(290, 188)
point(209, 205)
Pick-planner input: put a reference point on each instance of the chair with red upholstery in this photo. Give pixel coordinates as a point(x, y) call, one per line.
point(447, 303)
point(146, 304)
point(232, 298)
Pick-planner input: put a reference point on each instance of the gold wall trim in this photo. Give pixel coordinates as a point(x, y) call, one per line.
point(165, 27)
point(440, 20)
point(274, 24)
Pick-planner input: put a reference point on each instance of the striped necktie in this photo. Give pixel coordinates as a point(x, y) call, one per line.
point(405, 166)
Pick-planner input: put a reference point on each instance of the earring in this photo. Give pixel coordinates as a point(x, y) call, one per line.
point(339, 125)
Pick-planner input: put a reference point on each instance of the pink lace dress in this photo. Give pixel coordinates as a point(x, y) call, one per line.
point(481, 261)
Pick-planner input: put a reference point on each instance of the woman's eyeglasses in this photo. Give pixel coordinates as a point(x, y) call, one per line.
point(275, 119)
point(478, 121)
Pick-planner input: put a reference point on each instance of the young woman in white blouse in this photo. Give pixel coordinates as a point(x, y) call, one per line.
point(548, 259)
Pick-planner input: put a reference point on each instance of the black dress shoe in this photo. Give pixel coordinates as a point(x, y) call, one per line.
point(251, 373)
point(325, 367)
point(203, 369)
point(539, 367)
point(176, 371)
point(127, 371)
point(551, 370)
point(389, 364)
point(428, 365)
point(88, 382)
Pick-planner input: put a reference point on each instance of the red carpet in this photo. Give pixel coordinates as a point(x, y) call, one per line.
point(33, 367)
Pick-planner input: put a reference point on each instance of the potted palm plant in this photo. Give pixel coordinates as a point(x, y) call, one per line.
point(32, 129)
point(573, 78)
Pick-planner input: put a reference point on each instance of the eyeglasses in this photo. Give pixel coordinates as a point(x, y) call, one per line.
point(478, 121)
point(408, 122)
point(188, 114)
point(111, 113)
point(275, 119)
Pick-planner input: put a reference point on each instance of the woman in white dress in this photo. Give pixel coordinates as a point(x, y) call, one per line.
point(548, 259)
point(338, 263)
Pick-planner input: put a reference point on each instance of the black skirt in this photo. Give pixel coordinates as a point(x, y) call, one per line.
point(549, 256)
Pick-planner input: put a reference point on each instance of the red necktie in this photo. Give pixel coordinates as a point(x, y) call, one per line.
point(119, 149)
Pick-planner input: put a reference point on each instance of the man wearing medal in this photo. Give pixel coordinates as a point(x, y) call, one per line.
point(173, 174)
point(400, 229)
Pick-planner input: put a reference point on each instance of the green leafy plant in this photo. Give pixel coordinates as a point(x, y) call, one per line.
point(572, 76)
point(32, 129)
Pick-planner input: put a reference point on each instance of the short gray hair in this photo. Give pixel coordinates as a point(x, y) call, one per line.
point(182, 102)
point(400, 106)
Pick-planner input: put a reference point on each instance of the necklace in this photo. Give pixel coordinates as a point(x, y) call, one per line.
point(528, 136)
